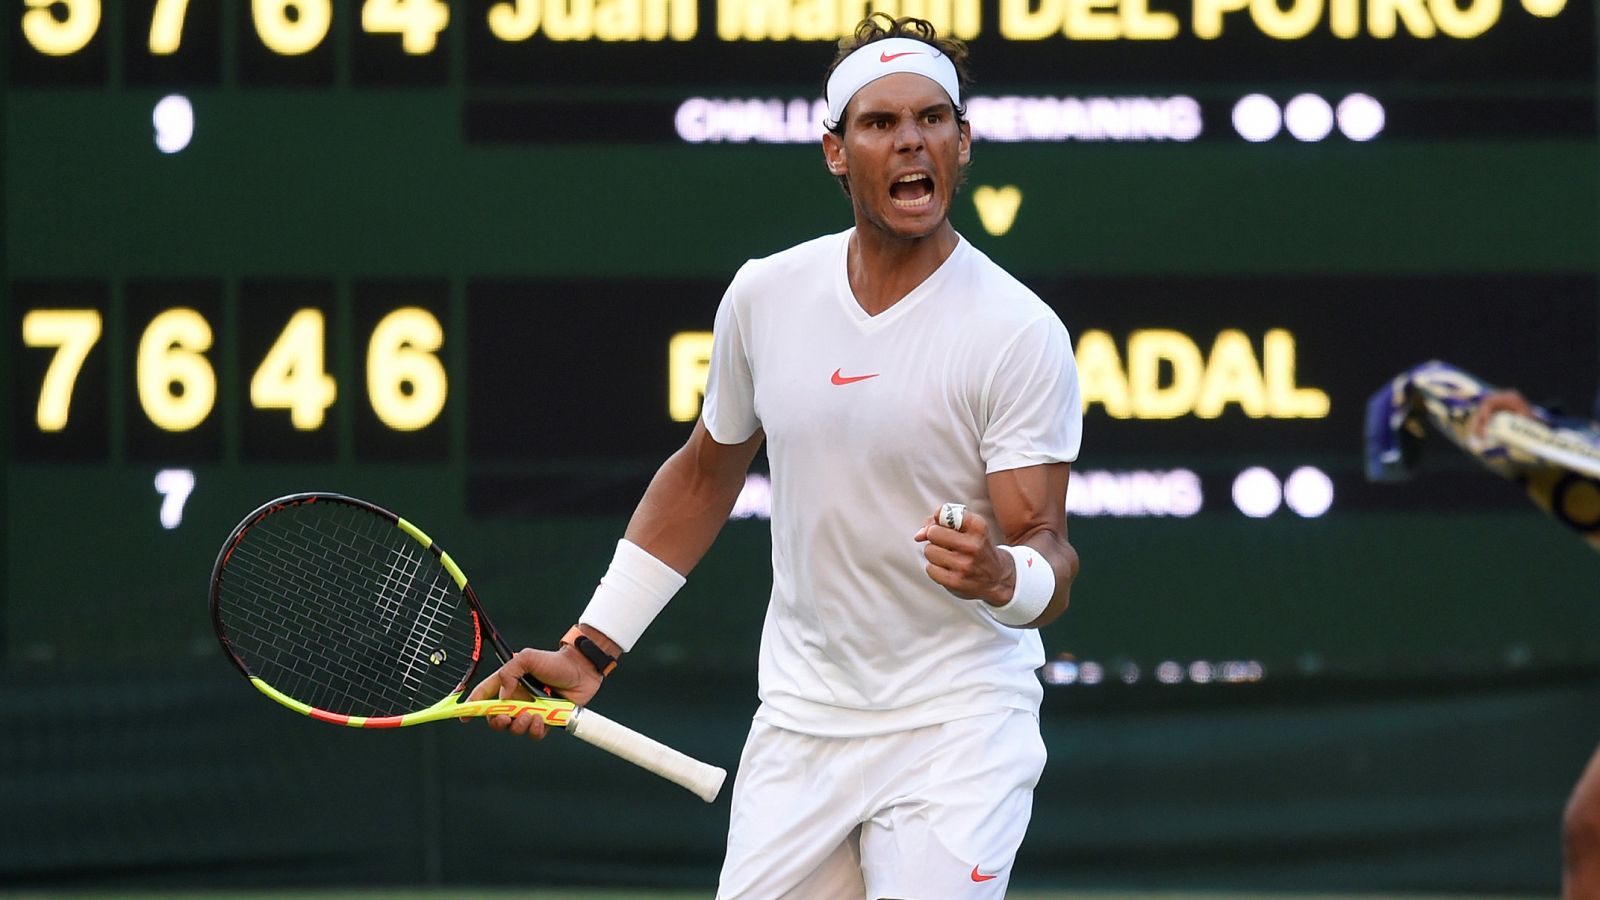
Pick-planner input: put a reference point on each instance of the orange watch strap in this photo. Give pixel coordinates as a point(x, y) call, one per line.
point(602, 661)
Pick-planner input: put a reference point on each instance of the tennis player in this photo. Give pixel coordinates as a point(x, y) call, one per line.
point(890, 368)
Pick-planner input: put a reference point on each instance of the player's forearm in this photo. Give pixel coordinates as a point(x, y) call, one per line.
point(681, 513)
point(690, 498)
point(1031, 512)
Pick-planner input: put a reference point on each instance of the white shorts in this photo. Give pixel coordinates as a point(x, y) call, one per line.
point(927, 814)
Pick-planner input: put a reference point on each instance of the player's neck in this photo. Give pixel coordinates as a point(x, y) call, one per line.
point(883, 268)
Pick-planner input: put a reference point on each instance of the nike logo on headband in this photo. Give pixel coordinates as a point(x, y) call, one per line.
point(891, 57)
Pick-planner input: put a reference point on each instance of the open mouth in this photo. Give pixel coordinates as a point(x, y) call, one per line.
point(912, 191)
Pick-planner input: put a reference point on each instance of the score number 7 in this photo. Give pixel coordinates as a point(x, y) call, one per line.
point(73, 332)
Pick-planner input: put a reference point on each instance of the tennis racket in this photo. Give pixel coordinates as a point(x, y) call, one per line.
point(1568, 447)
point(343, 611)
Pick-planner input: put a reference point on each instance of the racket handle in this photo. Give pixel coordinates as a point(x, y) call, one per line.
point(703, 779)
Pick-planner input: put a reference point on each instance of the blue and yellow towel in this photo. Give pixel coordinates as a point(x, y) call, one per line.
point(1444, 396)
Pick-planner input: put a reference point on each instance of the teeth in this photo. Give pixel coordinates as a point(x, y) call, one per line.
point(920, 201)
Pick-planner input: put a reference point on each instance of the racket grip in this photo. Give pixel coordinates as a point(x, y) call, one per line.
point(703, 779)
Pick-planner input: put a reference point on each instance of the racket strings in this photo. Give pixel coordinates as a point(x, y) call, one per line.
point(427, 629)
point(339, 609)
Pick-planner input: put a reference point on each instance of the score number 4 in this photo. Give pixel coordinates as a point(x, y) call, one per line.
point(286, 27)
point(177, 386)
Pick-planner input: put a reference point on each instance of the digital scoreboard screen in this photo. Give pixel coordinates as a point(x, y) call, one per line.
point(462, 259)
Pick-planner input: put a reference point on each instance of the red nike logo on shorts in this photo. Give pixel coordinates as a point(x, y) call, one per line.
point(839, 378)
point(891, 57)
point(980, 877)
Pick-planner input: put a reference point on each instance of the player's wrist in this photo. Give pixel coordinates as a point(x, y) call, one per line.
point(1006, 587)
point(601, 657)
point(601, 640)
point(1033, 584)
point(634, 590)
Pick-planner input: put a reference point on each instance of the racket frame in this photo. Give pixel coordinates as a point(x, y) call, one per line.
point(553, 710)
point(702, 779)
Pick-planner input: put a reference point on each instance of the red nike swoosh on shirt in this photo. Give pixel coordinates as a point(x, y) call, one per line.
point(980, 877)
point(850, 379)
point(890, 57)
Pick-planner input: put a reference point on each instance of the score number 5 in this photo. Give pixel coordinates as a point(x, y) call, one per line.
point(177, 386)
point(286, 27)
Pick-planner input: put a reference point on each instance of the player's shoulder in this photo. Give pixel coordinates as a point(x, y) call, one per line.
point(809, 259)
point(1004, 295)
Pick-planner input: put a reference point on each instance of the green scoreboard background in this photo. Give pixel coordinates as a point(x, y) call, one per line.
point(461, 259)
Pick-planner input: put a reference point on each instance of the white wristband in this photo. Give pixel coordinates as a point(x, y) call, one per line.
point(1036, 584)
point(633, 592)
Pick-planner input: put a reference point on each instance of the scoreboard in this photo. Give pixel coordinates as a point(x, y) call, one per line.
point(462, 258)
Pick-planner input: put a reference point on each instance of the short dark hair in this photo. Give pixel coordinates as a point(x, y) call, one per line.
point(881, 26)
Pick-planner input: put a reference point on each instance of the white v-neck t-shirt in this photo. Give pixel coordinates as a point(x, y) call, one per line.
point(871, 423)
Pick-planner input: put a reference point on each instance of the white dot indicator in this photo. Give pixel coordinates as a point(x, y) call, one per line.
point(1257, 118)
point(1060, 671)
point(1308, 117)
point(1257, 493)
point(174, 122)
point(1360, 117)
point(1308, 491)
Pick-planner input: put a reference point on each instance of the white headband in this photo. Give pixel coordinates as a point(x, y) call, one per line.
point(879, 58)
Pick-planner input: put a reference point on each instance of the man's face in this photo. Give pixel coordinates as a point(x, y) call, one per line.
point(903, 151)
